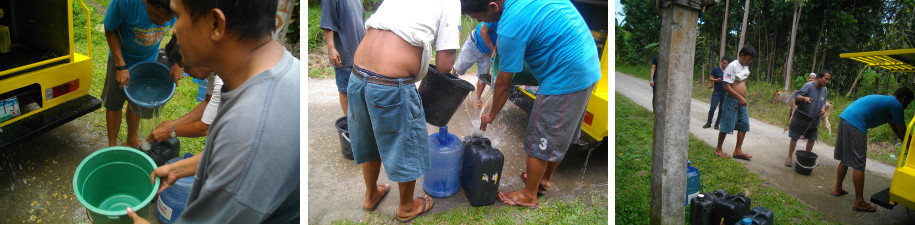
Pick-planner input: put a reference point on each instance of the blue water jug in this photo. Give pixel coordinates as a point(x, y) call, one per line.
point(443, 178)
point(692, 182)
point(172, 201)
point(201, 89)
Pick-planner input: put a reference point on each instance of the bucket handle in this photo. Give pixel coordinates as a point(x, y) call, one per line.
point(816, 163)
point(345, 136)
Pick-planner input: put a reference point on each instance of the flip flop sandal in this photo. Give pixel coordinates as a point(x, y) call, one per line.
point(541, 190)
point(744, 156)
point(872, 208)
point(844, 192)
point(387, 188)
point(513, 202)
point(424, 210)
point(788, 164)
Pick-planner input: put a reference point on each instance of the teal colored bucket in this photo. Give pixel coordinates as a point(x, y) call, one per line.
point(149, 88)
point(112, 179)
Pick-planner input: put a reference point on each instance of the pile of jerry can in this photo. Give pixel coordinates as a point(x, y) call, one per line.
point(481, 170)
point(720, 207)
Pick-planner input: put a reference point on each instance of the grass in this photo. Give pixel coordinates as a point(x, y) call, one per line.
point(182, 102)
point(881, 140)
point(556, 212)
point(633, 173)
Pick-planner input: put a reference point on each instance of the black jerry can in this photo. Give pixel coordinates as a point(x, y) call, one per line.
point(700, 210)
point(481, 170)
point(162, 151)
point(762, 216)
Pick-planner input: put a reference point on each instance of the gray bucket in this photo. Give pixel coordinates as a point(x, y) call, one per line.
point(343, 131)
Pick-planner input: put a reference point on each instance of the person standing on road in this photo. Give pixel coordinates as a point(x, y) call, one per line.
point(734, 107)
point(133, 30)
point(851, 141)
point(718, 94)
point(479, 48)
point(342, 22)
point(810, 100)
point(386, 120)
point(248, 171)
point(653, 80)
point(555, 41)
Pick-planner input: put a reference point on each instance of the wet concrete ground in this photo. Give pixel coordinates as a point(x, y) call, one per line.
point(36, 175)
point(769, 148)
point(336, 187)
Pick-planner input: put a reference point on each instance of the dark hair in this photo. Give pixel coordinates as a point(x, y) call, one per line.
point(245, 18)
point(748, 50)
point(906, 93)
point(725, 58)
point(162, 4)
point(171, 51)
point(474, 6)
point(822, 73)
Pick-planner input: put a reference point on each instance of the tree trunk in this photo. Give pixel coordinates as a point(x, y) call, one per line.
point(724, 28)
point(743, 27)
point(813, 65)
point(797, 16)
point(854, 83)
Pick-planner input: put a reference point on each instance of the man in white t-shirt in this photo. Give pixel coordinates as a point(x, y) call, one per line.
point(386, 120)
point(734, 114)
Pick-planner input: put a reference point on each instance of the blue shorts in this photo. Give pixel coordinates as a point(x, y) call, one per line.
point(733, 116)
point(342, 74)
point(388, 122)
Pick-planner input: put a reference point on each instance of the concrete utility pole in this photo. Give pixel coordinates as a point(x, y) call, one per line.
point(671, 123)
point(283, 14)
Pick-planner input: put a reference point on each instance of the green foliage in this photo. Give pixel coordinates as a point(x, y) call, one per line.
point(315, 33)
point(633, 173)
point(293, 33)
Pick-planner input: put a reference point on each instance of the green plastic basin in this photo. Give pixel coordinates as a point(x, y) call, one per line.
point(109, 180)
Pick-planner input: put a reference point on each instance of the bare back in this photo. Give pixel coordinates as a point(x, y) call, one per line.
point(385, 53)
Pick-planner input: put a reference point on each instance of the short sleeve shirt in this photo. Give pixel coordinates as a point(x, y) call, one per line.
point(736, 72)
point(552, 37)
point(345, 18)
point(818, 95)
point(718, 74)
point(481, 45)
point(872, 111)
point(139, 36)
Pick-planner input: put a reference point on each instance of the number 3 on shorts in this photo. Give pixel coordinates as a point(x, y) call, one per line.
point(542, 143)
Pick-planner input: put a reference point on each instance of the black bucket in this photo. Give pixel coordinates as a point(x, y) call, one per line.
point(343, 131)
point(800, 122)
point(442, 95)
point(804, 162)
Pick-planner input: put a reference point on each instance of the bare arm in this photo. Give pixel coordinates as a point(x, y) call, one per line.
point(651, 79)
point(444, 60)
point(899, 130)
point(331, 49)
point(484, 33)
point(185, 126)
point(114, 44)
point(172, 172)
point(500, 88)
point(713, 79)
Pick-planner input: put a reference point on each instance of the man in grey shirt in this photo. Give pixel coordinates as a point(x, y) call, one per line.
point(811, 100)
point(249, 170)
point(344, 28)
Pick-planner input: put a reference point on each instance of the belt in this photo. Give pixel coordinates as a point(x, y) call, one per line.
point(381, 80)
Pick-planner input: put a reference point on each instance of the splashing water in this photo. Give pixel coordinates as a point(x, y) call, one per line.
point(585, 168)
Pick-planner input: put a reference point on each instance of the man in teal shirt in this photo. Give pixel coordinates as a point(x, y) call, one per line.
point(552, 37)
point(134, 30)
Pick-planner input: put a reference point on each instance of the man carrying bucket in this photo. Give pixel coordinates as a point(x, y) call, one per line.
point(810, 100)
point(557, 44)
point(133, 30)
point(249, 170)
point(386, 120)
point(851, 141)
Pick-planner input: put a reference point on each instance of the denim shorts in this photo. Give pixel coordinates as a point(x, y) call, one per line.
point(733, 116)
point(388, 122)
point(470, 54)
point(342, 74)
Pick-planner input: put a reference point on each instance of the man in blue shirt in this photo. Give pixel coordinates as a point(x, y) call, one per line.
point(134, 30)
point(718, 94)
point(478, 49)
point(851, 141)
point(552, 37)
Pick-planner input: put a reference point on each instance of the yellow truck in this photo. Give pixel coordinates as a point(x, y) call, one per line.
point(901, 189)
point(595, 126)
point(44, 83)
